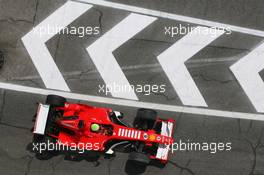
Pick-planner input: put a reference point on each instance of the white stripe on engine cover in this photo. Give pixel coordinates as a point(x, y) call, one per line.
point(123, 132)
point(126, 132)
point(139, 134)
point(119, 132)
point(129, 132)
point(132, 133)
point(135, 136)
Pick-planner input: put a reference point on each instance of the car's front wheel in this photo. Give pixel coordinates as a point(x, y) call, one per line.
point(145, 119)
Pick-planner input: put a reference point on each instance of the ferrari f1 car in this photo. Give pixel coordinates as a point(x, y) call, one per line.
point(68, 123)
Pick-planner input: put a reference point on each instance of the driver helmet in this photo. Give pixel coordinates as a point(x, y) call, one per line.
point(95, 127)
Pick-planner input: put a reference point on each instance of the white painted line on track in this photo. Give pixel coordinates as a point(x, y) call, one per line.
point(172, 61)
point(101, 52)
point(136, 104)
point(172, 16)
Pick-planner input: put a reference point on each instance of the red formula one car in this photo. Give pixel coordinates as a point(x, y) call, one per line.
point(101, 129)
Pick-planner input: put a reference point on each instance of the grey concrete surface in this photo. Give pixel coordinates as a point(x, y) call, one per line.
point(215, 81)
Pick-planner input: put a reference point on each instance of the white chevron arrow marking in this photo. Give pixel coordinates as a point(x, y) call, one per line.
point(246, 71)
point(101, 51)
point(172, 61)
point(35, 40)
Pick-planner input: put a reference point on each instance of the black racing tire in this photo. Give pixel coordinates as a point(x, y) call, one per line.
point(55, 100)
point(147, 114)
point(145, 118)
point(139, 158)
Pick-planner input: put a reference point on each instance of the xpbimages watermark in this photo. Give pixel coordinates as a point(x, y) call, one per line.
point(183, 30)
point(80, 31)
point(59, 146)
point(211, 147)
point(146, 89)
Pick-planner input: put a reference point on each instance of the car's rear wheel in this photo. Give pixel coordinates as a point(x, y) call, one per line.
point(145, 119)
point(55, 100)
point(138, 157)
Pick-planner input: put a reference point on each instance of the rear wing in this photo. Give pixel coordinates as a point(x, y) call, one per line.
point(163, 149)
point(41, 119)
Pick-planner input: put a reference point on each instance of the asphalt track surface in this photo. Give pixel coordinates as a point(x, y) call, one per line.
point(209, 69)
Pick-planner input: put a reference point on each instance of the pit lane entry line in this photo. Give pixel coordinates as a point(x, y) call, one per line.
point(136, 104)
